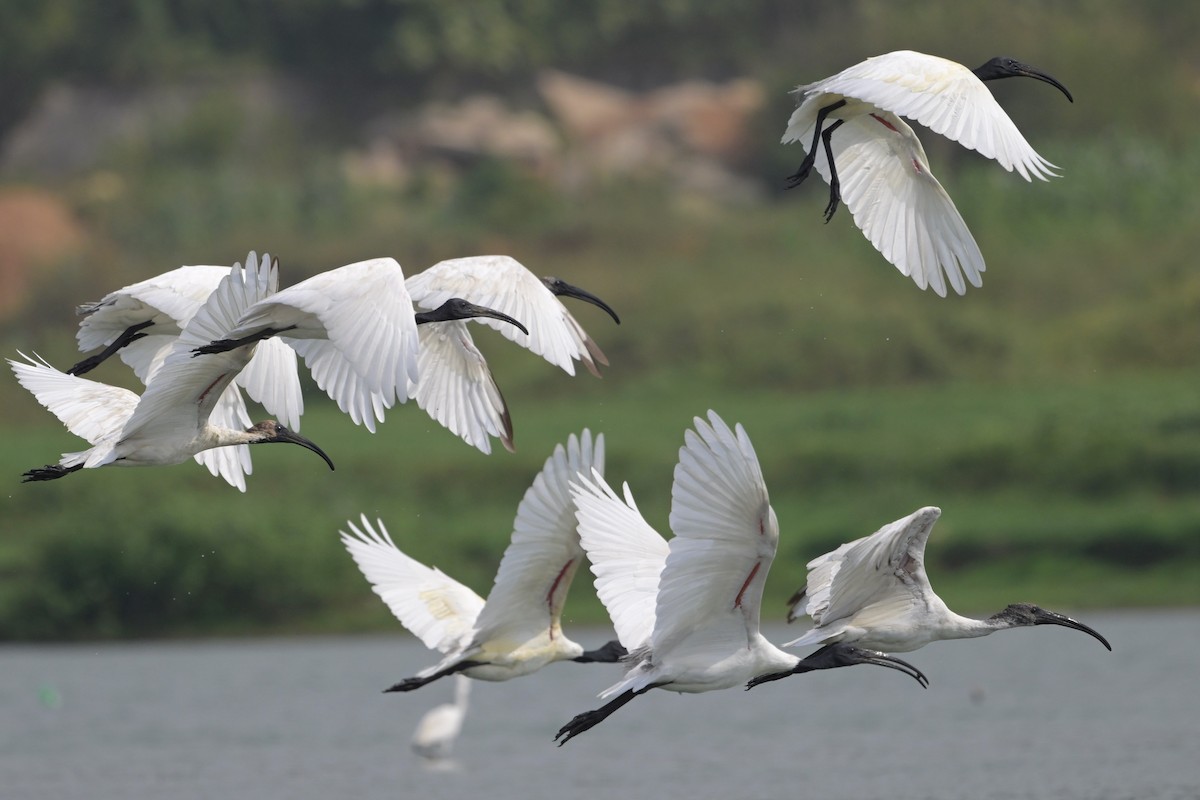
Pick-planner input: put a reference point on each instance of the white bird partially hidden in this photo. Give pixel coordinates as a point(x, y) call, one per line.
point(456, 386)
point(173, 419)
point(875, 164)
point(356, 330)
point(688, 610)
point(873, 592)
point(142, 321)
point(438, 729)
point(518, 629)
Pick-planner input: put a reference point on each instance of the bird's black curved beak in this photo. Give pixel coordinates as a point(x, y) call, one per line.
point(470, 309)
point(857, 655)
point(1027, 71)
point(282, 434)
point(1043, 617)
point(563, 289)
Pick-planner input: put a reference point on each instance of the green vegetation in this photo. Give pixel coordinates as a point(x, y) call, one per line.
point(1052, 414)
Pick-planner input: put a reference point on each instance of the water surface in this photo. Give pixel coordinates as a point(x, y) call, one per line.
point(1039, 713)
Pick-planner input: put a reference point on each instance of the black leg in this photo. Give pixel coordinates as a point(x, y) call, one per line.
point(225, 345)
point(590, 719)
point(797, 177)
point(49, 472)
point(408, 684)
point(774, 676)
point(835, 186)
point(130, 334)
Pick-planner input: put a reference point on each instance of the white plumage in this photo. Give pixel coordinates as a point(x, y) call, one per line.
point(873, 592)
point(518, 630)
point(456, 387)
point(688, 609)
point(142, 321)
point(885, 179)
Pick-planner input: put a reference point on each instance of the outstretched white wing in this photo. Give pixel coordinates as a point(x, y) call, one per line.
point(725, 539)
point(88, 409)
point(457, 388)
point(437, 609)
point(947, 98)
point(896, 201)
point(540, 561)
point(868, 578)
point(626, 554)
point(354, 328)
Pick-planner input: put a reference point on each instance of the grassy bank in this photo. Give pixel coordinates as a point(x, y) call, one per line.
point(1038, 498)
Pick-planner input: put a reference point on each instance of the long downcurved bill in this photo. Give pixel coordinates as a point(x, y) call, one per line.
point(285, 435)
point(884, 660)
point(1050, 618)
point(483, 311)
point(563, 288)
point(1027, 71)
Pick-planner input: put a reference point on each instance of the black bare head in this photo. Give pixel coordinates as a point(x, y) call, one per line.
point(560, 288)
point(1005, 67)
point(1019, 615)
point(457, 308)
point(610, 653)
point(270, 431)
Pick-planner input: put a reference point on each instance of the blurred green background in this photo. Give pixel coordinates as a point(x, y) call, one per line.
point(1052, 414)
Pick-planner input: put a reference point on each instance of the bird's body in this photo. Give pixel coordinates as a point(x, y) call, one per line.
point(688, 610)
point(876, 165)
point(518, 629)
point(456, 387)
point(176, 417)
point(874, 593)
point(439, 728)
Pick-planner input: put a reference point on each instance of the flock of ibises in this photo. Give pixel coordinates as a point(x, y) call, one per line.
point(686, 609)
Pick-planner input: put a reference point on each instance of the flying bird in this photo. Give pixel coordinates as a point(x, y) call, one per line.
point(173, 419)
point(518, 629)
point(873, 592)
point(688, 610)
point(456, 387)
point(875, 164)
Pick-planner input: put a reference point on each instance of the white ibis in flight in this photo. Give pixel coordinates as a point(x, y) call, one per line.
point(873, 592)
point(875, 164)
point(518, 629)
point(456, 386)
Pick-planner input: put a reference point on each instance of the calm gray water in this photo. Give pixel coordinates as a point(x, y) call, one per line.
point(1040, 713)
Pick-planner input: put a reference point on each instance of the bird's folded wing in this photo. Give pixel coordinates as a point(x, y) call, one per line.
point(540, 562)
point(437, 609)
point(945, 97)
point(887, 566)
point(88, 409)
point(457, 388)
point(726, 535)
point(626, 554)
